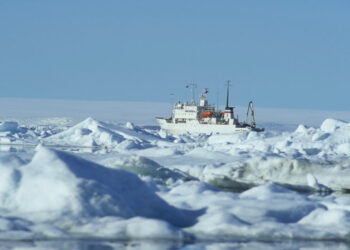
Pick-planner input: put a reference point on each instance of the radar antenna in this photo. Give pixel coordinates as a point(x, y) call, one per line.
point(205, 92)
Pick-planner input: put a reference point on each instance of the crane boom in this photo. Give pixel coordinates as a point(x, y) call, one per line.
point(252, 118)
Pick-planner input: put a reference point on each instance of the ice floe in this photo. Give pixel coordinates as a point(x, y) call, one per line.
point(92, 133)
point(140, 183)
point(143, 166)
point(73, 195)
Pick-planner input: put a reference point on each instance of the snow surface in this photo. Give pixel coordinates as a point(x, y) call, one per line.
point(91, 133)
point(109, 180)
point(60, 195)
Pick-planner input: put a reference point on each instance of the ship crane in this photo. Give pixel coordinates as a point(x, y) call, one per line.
point(252, 118)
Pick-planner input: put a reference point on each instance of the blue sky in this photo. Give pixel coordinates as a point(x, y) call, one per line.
point(285, 54)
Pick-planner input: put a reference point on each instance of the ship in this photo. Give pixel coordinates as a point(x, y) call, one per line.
point(203, 118)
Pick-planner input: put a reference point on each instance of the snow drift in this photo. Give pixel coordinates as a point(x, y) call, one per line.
point(92, 133)
point(143, 167)
point(63, 184)
point(62, 189)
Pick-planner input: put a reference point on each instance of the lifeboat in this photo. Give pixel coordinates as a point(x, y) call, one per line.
point(207, 114)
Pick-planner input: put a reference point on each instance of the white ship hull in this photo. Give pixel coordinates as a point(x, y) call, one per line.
point(202, 118)
point(194, 127)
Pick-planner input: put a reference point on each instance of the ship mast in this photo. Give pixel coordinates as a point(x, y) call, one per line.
point(171, 104)
point(192, 86)
point(228, 90)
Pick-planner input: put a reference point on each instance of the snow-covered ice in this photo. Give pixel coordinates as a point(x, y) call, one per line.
point(60, 195)
point(93, 179)
point(91, 133)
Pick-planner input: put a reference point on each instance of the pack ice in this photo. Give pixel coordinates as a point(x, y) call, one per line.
point(139, 183)
point(92, 133)
point(246, 159)
point(57, 189)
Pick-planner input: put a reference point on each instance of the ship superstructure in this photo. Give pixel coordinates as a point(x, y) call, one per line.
point(197, 118)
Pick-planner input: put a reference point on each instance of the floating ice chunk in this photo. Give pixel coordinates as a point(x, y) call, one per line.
point(5, 140)
point(143, 166)
point(269, 191)
point(143, 228)
point(44, 230)
point(276, 203)
point(12, 228)
point(163, 134)
point(220, 223)
point(331, 125)
point(56, 185)
point(127, 145)
point(334, 218)
point(301, 129)
point(136, 228)
point(312, 182)
point(343, 148)
point(130, 125)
